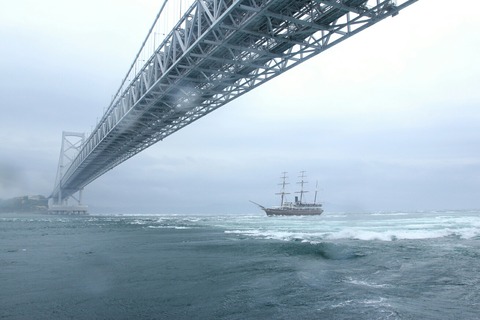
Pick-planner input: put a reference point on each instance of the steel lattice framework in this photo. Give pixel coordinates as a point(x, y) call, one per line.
point(219, 50)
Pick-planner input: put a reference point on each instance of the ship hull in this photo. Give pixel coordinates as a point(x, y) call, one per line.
point(293, 212)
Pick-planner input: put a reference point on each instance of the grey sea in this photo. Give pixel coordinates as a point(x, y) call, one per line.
point(403, 265)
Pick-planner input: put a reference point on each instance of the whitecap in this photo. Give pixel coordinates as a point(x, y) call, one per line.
point(379, 301)
point(342, 304)
point(388, 214)
point(169, 227)
point(138, 222)
point(365, 283)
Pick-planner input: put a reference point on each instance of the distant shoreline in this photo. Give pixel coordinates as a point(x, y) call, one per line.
point(23, 212)
point(24, 204)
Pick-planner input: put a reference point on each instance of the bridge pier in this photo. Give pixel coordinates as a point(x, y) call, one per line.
point(67, 210)
point(59, 206)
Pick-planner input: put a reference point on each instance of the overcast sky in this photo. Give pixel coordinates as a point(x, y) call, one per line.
point(388, 120)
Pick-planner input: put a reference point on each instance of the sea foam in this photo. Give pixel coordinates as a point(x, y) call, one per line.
point(380, 227)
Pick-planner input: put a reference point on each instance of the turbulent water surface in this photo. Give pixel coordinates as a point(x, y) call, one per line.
point(335, 266)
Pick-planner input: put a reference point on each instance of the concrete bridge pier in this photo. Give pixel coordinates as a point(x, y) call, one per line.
point(63, 207)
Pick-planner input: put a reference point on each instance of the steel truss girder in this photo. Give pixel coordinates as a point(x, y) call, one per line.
point(218, 51)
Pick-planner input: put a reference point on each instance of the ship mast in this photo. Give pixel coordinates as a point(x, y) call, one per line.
point(301, 183)
point(282, 192)
point(316, 191)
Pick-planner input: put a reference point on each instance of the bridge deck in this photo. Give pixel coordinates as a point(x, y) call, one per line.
point(219, 50)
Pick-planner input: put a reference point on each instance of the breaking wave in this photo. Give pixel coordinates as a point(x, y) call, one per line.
point(380, 227)
point(327, 227)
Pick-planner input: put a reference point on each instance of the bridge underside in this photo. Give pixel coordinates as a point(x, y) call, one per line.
point(218, 51)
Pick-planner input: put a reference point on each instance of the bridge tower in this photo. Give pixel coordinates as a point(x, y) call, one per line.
point(72, 142)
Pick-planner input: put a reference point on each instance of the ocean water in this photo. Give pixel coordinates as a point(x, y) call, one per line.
point(404, 265)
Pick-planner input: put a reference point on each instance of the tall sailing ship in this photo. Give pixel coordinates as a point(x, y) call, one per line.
point(296, 208)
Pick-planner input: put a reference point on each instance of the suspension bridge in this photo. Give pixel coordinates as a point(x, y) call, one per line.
point(209, 53)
